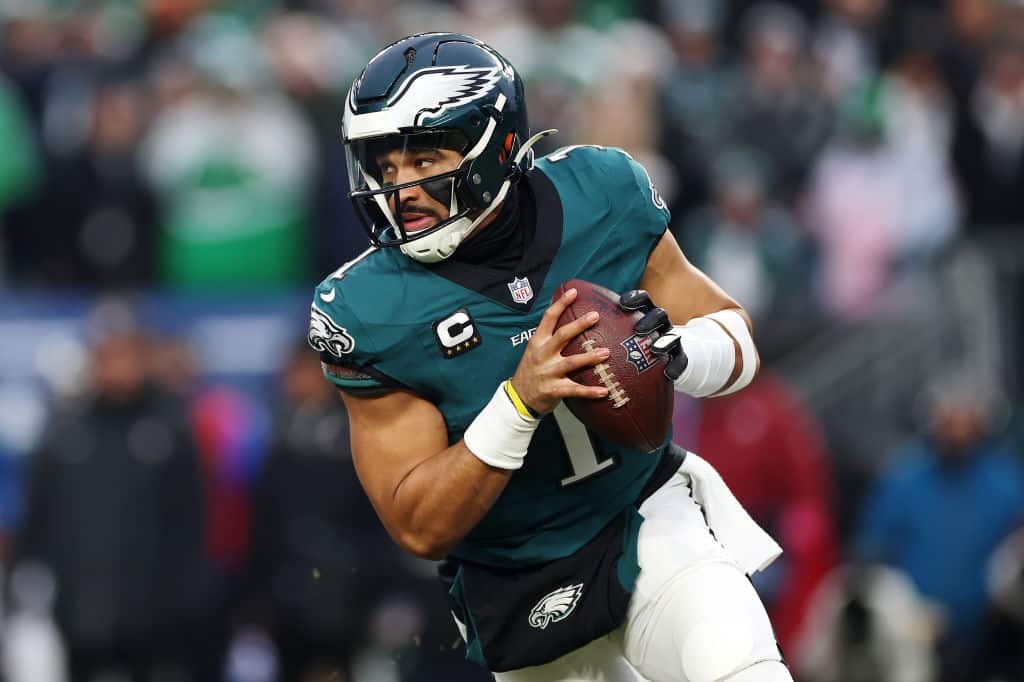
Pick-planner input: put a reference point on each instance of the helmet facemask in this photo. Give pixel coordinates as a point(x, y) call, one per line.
point(375, 164)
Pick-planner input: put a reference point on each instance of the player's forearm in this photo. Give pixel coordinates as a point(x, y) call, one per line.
point(712, 354)
point(451, 491)
point(429, 494)
point(442, 499)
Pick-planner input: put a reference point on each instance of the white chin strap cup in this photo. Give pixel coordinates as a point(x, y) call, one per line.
point(442, 244)
point(439, 245)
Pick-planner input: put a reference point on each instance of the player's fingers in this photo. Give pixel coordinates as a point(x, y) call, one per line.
point(571, 363)
point(554, 311)
point(567, 388)
point(667, 344)
point(636, 299)
point(569, 331)
point(653, 320)
point(676, 366)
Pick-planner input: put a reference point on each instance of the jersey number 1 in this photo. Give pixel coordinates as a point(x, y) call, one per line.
point(582, 455)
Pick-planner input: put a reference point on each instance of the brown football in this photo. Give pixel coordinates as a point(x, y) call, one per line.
point(638, 410)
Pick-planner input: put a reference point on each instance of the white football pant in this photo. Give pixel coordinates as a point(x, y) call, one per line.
point(694, 615)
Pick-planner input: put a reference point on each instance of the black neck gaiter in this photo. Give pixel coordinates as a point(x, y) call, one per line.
point(501, 244)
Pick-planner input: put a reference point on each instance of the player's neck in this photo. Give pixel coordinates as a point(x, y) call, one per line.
point(499, 242)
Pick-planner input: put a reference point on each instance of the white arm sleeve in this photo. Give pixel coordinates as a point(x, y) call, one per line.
point(710, 345)
point(737, 327)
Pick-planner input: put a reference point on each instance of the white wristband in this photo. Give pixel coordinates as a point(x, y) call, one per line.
point(500, 435)
point(737, 327)
point(710, 355)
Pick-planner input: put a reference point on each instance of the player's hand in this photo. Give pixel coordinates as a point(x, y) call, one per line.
point(655, 321)
point(541, 378)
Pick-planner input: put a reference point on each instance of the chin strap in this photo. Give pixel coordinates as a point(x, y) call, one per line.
point(442, 244)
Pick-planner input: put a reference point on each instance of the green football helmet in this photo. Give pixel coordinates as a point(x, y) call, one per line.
point(435, 91)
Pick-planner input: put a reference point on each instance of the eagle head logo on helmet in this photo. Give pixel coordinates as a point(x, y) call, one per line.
point(444, 89)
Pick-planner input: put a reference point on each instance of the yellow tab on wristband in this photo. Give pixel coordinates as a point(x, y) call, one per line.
point(521, 407)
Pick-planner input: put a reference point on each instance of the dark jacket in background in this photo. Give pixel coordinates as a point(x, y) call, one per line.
point(115, 510)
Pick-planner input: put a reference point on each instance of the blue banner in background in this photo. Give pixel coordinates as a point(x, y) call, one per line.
point(232, 338)
point(237, 342)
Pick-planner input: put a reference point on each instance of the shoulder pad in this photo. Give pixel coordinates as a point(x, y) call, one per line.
point(338, 330)
point(334, 333)
point(608, 170)
point(610, 176)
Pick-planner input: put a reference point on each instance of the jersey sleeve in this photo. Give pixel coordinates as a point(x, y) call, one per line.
point(346, 350)
point(641, 213)
point(611, 175)
point(648, 203)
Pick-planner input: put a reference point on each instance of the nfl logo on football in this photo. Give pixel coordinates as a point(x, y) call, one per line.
point(521, 290)
point(638, 352)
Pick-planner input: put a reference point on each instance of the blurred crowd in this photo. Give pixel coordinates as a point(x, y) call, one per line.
point(852, 171)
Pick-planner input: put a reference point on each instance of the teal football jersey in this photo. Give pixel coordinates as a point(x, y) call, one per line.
point(451, 332)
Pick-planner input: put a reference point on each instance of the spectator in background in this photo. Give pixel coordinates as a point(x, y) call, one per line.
point(598, 86)
point(695, 98)
point(971, 27)
point(917, 113)
point(28, 43)
point(167, 18)
point(771, 453)
point(314, 62)
point(989, 144)
point(232, 430)
point(232, 433)
point(1003, 655)
point(20, 164)
point(869, 624)
point(10, 499)
point(622, 112)
point(101, 232)
point(777, 111)
point(948, 500)
point(848, 42)
point(114, 510)
point(749, 243)
point(882, 202)
point(61, 59)
point(24, 413)
point(327, 596)
point(562, 62)
point(318, 558)
point(232, 163)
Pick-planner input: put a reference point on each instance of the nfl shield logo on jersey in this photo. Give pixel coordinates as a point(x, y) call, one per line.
point(638, 352)
point(521, 290)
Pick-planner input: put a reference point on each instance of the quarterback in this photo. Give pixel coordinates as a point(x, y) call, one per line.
point(566, 557)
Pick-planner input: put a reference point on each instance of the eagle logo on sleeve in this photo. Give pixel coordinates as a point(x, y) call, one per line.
point(555, 606)
point(326, 336)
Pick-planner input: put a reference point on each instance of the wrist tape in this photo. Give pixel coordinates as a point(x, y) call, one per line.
point(732, 321)
point(501, 433)
point(711, 352)
point(711, 357)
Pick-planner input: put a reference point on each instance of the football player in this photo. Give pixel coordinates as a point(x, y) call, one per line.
point(567, 557)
